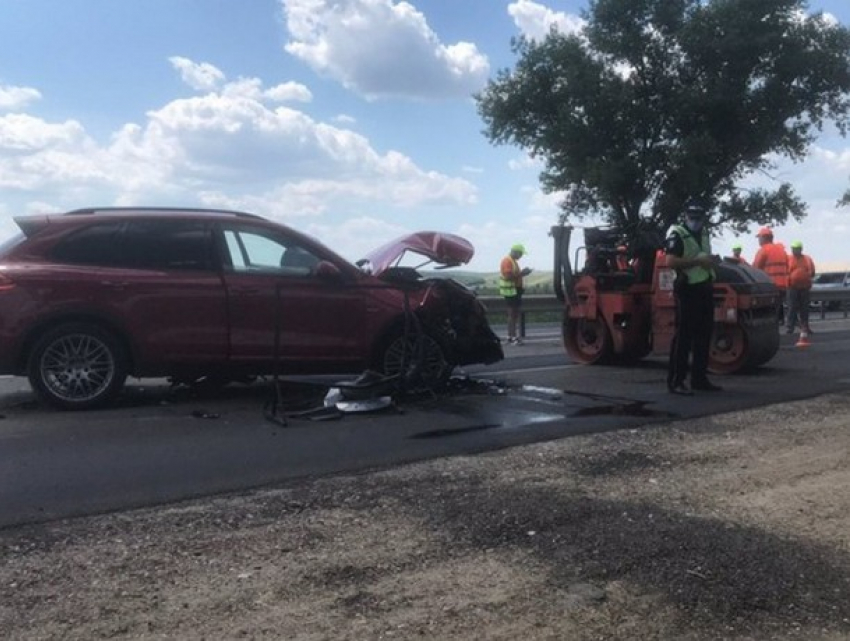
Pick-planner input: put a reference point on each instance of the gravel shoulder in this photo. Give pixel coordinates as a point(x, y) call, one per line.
point(730, 527)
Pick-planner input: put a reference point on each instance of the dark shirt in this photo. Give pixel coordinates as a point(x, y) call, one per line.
point(674, 245)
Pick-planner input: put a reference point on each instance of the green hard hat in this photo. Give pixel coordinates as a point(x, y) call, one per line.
point(737, 246)
point(796, 244)
point(518, 247)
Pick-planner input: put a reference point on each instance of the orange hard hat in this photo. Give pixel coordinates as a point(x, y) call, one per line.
point(764, 231)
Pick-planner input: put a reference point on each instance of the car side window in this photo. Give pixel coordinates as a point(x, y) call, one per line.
point(256, 252)
point(96, 244)
point(168, 244)
point(140, 244)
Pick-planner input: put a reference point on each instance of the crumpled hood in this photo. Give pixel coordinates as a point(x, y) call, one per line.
point(444, 249)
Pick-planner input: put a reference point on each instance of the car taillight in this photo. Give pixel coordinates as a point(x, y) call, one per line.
point(6, 283)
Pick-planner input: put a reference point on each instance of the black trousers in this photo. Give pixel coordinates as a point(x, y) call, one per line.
point(694, 324)
point(798, 308)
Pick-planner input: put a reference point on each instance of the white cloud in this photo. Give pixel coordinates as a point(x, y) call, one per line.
point(355, 237)
point(540, 202)
point(35, 154)
point(534, 20)
point(819, 181)
point(524, 162)
point(12, 98)
point(289, 92)
point(235, 146)
point(232, 141)
point(200, 76)
point(21, 133)
point(382, 48)
point(493, 239)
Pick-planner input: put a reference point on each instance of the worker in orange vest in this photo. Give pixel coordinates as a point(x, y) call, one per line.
point(801, 273)
point(772, 259)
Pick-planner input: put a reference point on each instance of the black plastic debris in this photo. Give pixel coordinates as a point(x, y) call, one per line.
point(637, 408)
point(466, 384)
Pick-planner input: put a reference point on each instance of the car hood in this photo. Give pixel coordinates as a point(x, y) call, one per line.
point(446, 250)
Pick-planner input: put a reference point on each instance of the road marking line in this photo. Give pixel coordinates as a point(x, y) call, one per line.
point(535, 369)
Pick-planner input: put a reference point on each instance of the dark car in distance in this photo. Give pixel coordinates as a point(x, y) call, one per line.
point(92, 296)
point(830, 283)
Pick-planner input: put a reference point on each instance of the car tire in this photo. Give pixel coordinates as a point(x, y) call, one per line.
point(421, 361)
point(77, 366)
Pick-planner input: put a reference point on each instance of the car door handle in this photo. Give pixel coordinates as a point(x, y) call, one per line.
point(116, 284)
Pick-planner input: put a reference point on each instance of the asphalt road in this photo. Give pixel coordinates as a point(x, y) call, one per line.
point(161, 445)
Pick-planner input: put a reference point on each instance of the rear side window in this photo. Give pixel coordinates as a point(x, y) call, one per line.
point(168, 244)
point(140, 244)
point(93, 245)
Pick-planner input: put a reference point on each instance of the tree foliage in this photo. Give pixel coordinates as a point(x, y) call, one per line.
point(657, 101)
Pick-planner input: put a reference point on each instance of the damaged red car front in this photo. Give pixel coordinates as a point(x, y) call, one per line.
point(448, 314)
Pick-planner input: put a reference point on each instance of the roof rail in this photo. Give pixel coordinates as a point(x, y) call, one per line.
point(89, 211)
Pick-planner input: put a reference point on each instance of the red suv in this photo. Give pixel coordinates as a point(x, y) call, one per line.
point(92, 296)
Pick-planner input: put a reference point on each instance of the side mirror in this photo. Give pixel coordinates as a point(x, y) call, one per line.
point(328, 271)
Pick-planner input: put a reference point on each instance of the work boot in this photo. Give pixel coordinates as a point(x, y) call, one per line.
point(679, 388)
point(705, 385)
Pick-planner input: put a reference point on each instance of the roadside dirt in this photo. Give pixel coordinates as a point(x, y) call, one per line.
point(732, 527)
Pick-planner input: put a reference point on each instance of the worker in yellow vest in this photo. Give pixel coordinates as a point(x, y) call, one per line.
point(688, 249)
point(511, 288)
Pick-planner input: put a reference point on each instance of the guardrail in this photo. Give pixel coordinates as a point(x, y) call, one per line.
point(530, 303)
point(840, 296)
point(549, 303)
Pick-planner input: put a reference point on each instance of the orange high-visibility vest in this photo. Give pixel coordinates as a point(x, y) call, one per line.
point(801, 271)
point(773, 260)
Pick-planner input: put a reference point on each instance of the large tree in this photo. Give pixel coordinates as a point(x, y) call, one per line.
point(657, 101)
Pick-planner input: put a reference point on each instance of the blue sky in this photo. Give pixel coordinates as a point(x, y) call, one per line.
point(348, 119)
